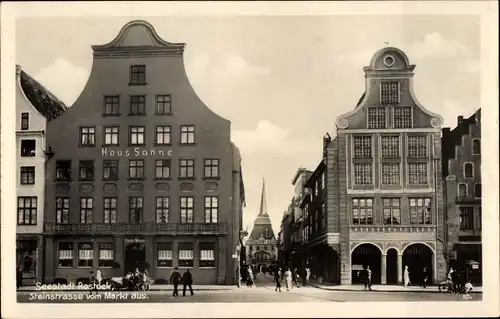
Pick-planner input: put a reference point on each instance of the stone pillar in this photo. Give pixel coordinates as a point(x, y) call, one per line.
point(39, 259)
point(119, 256)
point(345, 262)
point(49, 256)
point(222, 260)
point(150, 254)
point(383, 279)
point(400, 268)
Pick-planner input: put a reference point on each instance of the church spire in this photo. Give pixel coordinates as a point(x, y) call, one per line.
point(263, 203)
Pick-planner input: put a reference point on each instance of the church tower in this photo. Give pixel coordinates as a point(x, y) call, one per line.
point(261, 244)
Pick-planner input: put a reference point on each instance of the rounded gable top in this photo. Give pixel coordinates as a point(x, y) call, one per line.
point(139, 33)
point(390, 58)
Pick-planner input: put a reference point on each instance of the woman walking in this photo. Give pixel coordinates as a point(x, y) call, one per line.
point(406, 277)
point(288, 279)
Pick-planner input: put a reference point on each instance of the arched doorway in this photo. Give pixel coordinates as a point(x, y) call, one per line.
point(392, 266)
point(135, 257)
point(366, 255)
point(416, 257)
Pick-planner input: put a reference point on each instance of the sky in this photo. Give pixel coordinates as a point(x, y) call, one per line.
point(281, 80)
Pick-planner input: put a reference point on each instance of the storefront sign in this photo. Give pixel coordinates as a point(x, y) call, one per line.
point(135, 152)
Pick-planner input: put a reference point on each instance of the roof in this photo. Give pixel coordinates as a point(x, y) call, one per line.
point(314, 176)
point(46, 103)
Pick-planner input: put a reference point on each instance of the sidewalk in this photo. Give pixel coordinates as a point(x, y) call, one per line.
point(152, 288)
point(384, 288)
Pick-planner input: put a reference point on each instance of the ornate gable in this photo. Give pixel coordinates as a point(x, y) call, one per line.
point(389, 101)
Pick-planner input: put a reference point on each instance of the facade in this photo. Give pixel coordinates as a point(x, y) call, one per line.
point(143, 174)
point(261, 245)
point(386, 159)
point(35, 106)
point(462, 186)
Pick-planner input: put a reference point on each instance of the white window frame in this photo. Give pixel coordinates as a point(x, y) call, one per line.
point(399, 92)
point(466, 190)
point(368, 117)
point(401, 107)
point(463, 170)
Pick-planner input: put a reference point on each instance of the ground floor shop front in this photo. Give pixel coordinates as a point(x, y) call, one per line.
point(29, 254)
point(210, 259)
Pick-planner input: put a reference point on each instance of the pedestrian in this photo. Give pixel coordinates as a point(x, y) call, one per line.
point(19, 278)
point(424, 277)
point(250, 277)
point(368, 278)
point(98, 276)
point(468, 287)
point(277, 279)
point(406, 277)
point(296, 277)
point(308, 275)
point(288, 279)
point(175, 279)
point(187, 281)
point(93, 283)
point(145, 280)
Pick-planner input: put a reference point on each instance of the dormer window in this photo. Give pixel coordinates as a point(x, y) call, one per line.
point(389, 92)
point(376, 117)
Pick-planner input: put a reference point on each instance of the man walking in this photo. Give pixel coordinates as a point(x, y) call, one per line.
point(175, 279)
point(368, 278)
point(187, 281)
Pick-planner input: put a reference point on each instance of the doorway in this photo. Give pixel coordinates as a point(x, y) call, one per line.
point(392, 267)
point(417, 257)
point(366, 255)
point(135, 257)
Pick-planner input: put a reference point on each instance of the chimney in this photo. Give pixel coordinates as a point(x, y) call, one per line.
point(326, 140)
point(460, 120)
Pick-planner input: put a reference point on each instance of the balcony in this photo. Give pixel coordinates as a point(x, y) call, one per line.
point(150, 228)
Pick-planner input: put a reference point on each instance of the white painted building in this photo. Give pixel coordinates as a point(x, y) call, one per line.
point(35, 106)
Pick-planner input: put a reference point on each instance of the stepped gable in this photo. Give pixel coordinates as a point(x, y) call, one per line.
point(42, 99)
point(262, 226)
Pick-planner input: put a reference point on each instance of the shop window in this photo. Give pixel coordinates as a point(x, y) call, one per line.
point(164, 255)
point(186, 255)
point(106, 254)
point(85, 255)
point(65, 255)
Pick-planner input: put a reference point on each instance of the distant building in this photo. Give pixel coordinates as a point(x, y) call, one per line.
point(144, 174)
point(386, 205)
point(261, 245)
point(35, 106)
point(463, 193)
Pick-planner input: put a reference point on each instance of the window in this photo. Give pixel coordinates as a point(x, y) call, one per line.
point(462, 190)
point(389, 92)
point(26, 210)
point(162, 209)
point(136, 169)
point(207, 255)
point(111, 135)
point(376, 117)
point(86, 209)
point(468, 170)
point(136, 135)
point(137, 105)
point(28, 148)
point(137, 74)
point(390, 146)
point(162, 169)
point(420, 211)
point(164, 255)
point(479, 217)
point(417, 173)
point(63, 170)
point(363, 174)
point(62, 210)
point(187, 209)
point(478, 190)
point(187, 134)
point(211, 168)
point(390, 173)
point(476, 146)
point(392, 211)
point(417, 146)
point(112, 105)
point(110, 169)
point(186, 255)
point(25, 121)
point(87, 136)
point(403, 117)
point(106, 254)
point(186, 168)
point(86, 170)
point(110, 207)
point(323, 214)
point(163, 104)
point(316, 188)
point(65, 255)
point(362, 146)
point(323, 180)
point(362, 211)
point(466, 218)
point(163, 135)
point(211, 209)
point(85, 255)
point(135, 209)
point(27, 175)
